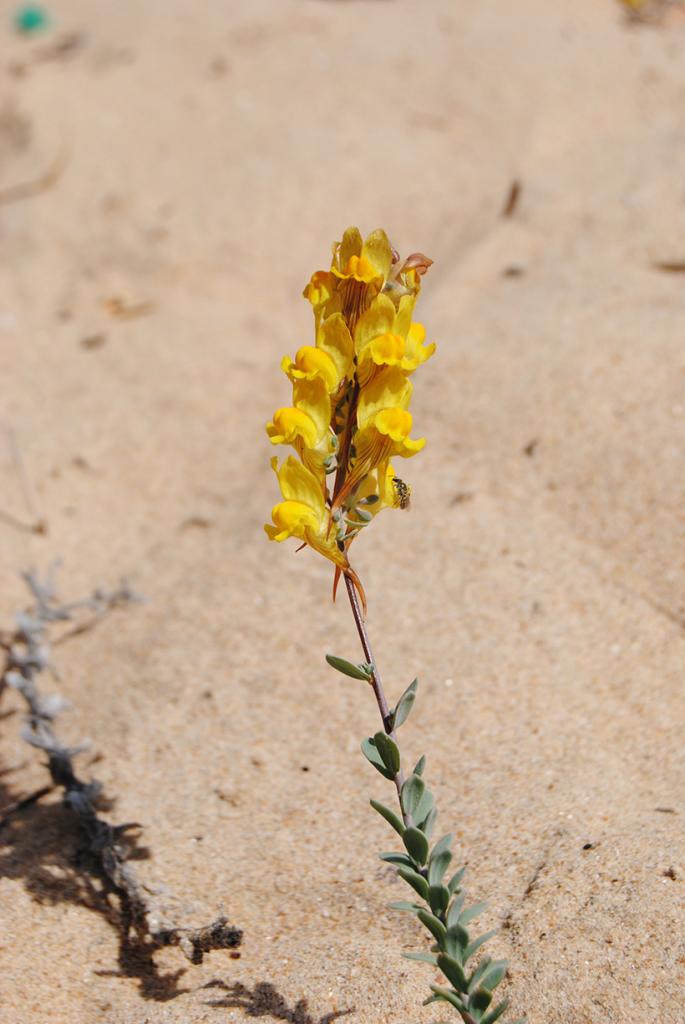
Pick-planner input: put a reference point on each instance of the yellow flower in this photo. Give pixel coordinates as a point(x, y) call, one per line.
point(306, 424)
point(311, 363)
point(329, 360)
point(359, 271)
point(384, 425)
point(386, 336)
point(351, 393)
point(304, 515)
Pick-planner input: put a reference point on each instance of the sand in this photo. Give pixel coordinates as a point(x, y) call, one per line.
point(207, 155)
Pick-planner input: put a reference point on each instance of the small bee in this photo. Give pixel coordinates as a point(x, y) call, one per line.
point(402, 493)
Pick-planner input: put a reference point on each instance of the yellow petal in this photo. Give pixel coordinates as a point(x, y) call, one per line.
point(379, 318)
point(388, 389)
point(416, 352)
point(291, 519)
point(336, 341)
point(386, 350)
point(395, 423)
point(360, 268)
point(319, 289)
point(311, 363)
point(289, 424)
point(404, 314)
point(378, 252)
point(311, 397)
point(299, 484)
point(410, 447)
point(350, 246)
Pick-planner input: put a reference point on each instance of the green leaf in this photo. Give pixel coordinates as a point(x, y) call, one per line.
point(480, 1000)
point(416, 845)
point(442, 845)
point(455, 880)
point(412, 791)
point(434, 925)
point(428, 824)
point(493, 976)
point(495, 1014)
point(404, 705)
point(453, 971)
point(456, 941)
point(373, 757)
point(479, 972)
point(389, 752)
point(448, 996)
point(348, 669)
point(412, 908)
point(455, 909)
point(415, 880)
point(390, 816)
point(477, 943)
point(437, 866)
point(397, 858)
point(438, 897)
point(428, 958)
point(472, 912)
point(424, 806)
point(420, 765)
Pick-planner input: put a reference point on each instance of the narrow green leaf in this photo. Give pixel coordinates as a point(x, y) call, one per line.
point(373, 757)
point(398, 859)
point(389, 752)
point(455, 880)
point(455, 909)
point(494, 975)
point(449, 996)
point(405, 704)
point(438, 897)
point(428, 824)
point(411, 908)
point(479, 972)
point(428, 958)
point(416, 845)
point(477, 943)
point(434, 926)
point(420, 765)
point(424, 806)
point(415, 880)
point(437, 866)
point(390, 816)
point(480, 1000)
point(456, 941)
point(348, 669)
point(412, 791)
point(471, 913)
point(453, 971)
point(442, 845)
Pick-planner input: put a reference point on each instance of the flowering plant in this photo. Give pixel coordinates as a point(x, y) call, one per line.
point(349, 418)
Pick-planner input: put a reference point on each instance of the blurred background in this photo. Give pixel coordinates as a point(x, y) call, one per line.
point(170, 176)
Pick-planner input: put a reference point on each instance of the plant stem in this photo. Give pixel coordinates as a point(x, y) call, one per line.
point(376, 684)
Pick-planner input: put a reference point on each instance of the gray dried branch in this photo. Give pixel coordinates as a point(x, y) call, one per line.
point(28, 653)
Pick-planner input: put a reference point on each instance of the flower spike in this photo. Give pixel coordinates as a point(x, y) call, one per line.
point(351, 392)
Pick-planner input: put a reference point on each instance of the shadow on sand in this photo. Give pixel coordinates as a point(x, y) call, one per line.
point(42, 845)
point(265, 1001)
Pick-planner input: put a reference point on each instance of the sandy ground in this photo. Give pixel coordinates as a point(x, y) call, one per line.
point(208, 154)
